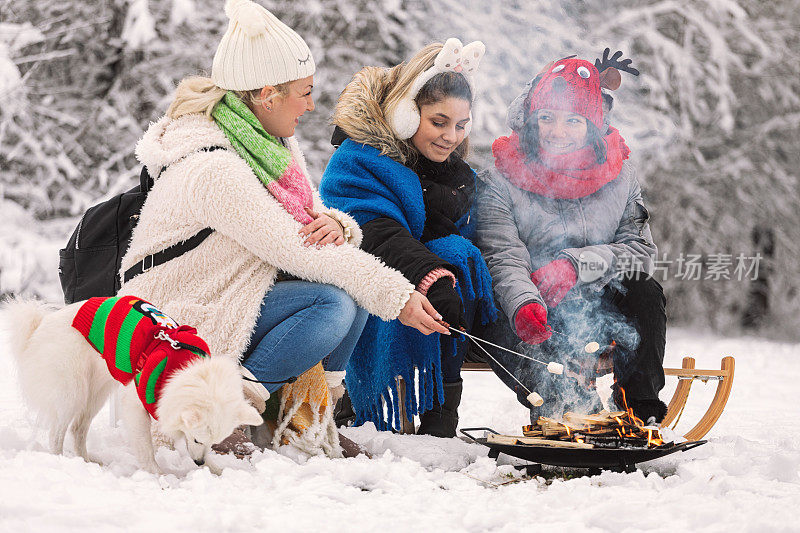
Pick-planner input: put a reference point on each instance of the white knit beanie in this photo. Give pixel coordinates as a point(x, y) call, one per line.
point(258, 50)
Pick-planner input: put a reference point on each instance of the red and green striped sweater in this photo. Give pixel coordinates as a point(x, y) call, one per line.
point(138, 342)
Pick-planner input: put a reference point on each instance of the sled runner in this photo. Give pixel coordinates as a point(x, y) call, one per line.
point(686, 375)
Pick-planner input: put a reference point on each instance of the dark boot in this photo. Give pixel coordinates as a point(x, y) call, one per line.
point(343, 413)
point(649, 411)
point(442, 420)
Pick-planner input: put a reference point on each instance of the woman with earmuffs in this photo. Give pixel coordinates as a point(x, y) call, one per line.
point(399, 171)
point(564, 231)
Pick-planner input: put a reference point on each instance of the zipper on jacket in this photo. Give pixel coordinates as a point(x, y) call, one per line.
point(583, 218)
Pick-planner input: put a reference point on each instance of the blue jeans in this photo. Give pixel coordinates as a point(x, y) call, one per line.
point(300, 324)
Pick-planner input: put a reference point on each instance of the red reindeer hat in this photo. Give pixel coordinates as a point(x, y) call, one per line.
point(570, 85)
point(579, 96)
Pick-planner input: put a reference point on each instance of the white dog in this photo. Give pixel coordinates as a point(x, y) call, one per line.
point(67, 382)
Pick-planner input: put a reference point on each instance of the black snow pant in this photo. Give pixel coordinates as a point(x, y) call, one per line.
point(630, 312)
point(452, 360)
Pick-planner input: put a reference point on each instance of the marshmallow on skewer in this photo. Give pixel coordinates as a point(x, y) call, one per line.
point(535, 399)
point(591, 347)
point(555, 368)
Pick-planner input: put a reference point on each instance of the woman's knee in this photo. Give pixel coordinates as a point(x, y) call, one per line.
point(361, 315)
point(344, 309)
point(645, 291)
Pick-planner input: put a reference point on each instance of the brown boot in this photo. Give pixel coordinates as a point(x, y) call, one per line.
point(237, 443)
point(351, 448)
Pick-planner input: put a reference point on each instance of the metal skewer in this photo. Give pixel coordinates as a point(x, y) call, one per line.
point(590, 347)
point(562, 334)
point(569, 338)
point(532, 397)
point(496, 346)
point(552, 366)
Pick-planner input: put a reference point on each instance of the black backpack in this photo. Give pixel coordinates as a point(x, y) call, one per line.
point(89, 265)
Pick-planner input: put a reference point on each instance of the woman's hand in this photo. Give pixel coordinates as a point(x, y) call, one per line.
point(555, 280)
point(444, 298)
point(322, 230)
point(531, 324)
point(419, 313)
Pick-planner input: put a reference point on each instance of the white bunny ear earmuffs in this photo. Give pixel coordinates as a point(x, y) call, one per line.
point(404, 118)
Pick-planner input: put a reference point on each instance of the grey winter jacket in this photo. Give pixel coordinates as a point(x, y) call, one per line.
point(519, 231)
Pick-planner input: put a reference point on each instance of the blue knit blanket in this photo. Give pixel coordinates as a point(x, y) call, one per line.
point(367, 185)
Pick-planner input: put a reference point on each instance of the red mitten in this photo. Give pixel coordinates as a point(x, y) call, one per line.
point(531, 324)
point(554, 280)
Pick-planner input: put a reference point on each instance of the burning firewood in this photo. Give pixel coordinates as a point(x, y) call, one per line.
point(603, 418)
point(604, 430)
point(512, 440)
point(546, 427)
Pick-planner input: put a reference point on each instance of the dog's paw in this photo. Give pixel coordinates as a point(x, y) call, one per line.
point(214, 468)
point(91, 458)
point(153, 468)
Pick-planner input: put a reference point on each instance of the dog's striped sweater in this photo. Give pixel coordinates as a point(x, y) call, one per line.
point(138, 342)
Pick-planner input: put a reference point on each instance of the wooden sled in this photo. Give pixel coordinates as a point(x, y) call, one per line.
point(686, 375)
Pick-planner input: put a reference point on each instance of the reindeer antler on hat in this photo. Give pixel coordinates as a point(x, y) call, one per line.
point(453, 57)
point(609, 69)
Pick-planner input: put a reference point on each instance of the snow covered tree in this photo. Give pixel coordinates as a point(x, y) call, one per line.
point(713, 119)
point(722, 171)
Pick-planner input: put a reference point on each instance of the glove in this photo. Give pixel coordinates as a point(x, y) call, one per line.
point(444, 298)
point(531, 324)
point(554, 280)
point(450, 202)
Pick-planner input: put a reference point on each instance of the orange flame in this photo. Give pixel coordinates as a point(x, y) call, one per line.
point(629, 426)
point(638, 423)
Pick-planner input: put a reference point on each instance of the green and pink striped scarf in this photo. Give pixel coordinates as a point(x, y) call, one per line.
point(267, 157)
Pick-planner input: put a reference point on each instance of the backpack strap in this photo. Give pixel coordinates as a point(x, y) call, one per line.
point(145, 181)
point(159, 258)
point(177, 249)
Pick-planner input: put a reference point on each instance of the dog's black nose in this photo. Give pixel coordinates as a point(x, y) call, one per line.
point(199, 462)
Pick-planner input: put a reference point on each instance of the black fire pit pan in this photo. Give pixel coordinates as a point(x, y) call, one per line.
point(620, 459)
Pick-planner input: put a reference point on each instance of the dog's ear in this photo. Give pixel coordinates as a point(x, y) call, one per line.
point(190, 418)
point(249, 415)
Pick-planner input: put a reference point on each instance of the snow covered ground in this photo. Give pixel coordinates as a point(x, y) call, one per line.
point(745, 479)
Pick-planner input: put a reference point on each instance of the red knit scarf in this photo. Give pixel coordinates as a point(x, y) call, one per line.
point(567, 176)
